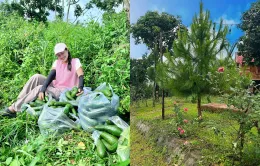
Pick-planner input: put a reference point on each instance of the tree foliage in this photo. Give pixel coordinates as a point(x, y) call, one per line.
point(32, 9)
point(195, 54)
point(139, 78)
point(148, 27)
point(251, 40)
point(106, 5)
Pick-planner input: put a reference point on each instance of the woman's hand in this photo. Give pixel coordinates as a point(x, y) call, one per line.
point(41, 95)
point(80, 92)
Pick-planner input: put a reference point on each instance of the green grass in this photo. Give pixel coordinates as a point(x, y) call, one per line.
point(26, 145)
point(143, 151)
point(213, 137)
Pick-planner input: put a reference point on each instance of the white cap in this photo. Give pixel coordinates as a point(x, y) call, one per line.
point(59, 47)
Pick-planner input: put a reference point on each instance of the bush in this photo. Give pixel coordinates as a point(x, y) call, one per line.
point(26, 48)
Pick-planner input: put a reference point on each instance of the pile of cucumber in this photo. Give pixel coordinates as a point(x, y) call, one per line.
point(108, 140)
point(106, 91)
point(69, 108)
point(37, 104)
point(71, 95)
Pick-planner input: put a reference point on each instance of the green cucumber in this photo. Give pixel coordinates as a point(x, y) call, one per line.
point(111, 129)
point(109, 122)
point(124, 163)
point(97, 112)
point(67, 109)
point(46, 98)
point(74, 92)
point(52, 103)
point(68, 95)
point(107, 92)
point(61, 103)
point(36, 108)
point(110, 148)
point(90, 122)
point(39, 102)
point(32, 104)
point(74, 111)
point(101, 149)
point(125, 142)
point(109, 137)
point(74, 88)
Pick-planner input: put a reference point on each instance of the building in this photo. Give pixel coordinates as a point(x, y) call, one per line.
point(254, 70)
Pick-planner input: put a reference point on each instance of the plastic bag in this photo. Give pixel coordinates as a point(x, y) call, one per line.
point(119, 122)
point(96, 108)
point(95, 136)
point(63, 98)
point(32, 110)
point(114, 100)
point(123, 149)
point(54, 121)
point(35, 111)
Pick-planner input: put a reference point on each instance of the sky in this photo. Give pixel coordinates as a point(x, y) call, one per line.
point(229, 10)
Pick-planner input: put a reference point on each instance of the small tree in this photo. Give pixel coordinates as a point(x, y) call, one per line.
point(147, 30)
point(139, 77)
point(195, 54)
point(247, 118)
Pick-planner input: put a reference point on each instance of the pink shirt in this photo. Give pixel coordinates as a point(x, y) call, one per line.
point(64, 77)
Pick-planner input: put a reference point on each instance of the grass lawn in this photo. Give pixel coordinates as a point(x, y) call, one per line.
point(213, 137)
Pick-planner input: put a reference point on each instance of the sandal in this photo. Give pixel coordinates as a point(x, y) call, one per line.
point(7, 113)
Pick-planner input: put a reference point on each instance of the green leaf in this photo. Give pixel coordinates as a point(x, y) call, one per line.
point(15, 162)
point(34, 161)
point(8, 160)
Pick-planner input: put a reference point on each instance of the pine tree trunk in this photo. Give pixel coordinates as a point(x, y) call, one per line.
point(157, 95)
point(242, 145)
point(154, 93)
point(242, 140)
point(161, 52)
point(63, 8)
point(154, 83)
point(199, 107)
point(126, 5)
point(163, 104)
point(55, 10)
point(68, 12)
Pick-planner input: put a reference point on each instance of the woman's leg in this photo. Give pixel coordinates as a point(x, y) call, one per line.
point(25, 98)
point(32, 95)
point(55, 92)
point(32, 86)
point(34, 81)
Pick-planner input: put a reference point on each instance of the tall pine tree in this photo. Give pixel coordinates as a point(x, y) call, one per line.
point(195, 54)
